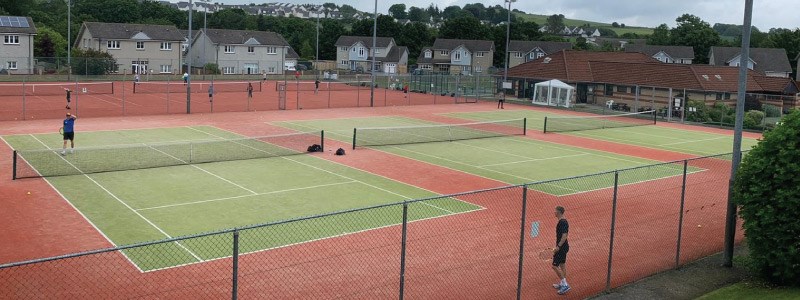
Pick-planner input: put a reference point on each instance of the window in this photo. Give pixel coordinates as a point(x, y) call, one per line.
point(184, 47)
point(428, 54)
point(478, 69)
point(112, 44)
point(540, 54)
point(457, 56)
point(272, 69)
point(230, 49)
point(719, 96)
point(609, 90)
point(139, 45)
point(272, 50)
point(426, 67)
point(166, 68)
point(377, 51)
point(11, 65)
point(361, 51)
point(229, 70)
point(344, 62)
point(443, 52)
point(11, 40)
point(727, 96)
point(531, 55)
point(343, 49)
point(622, 89)
point(251, 49)
point(518, 54)
point(444, 68)
point(166, 46)
point(481, 53)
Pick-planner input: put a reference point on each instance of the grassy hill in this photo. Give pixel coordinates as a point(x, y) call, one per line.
point(542, 19)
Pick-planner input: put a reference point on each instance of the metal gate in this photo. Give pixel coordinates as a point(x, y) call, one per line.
point(282, 95)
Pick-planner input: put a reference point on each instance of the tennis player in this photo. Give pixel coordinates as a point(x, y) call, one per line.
point(501, 99)
point(316, 86)
point(560, 251)
point(211, 93)
point(185, 78)
point(69, 133)
point(249, 90)
point(69, 97)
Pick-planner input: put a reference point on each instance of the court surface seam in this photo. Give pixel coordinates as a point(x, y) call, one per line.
point(120, 200)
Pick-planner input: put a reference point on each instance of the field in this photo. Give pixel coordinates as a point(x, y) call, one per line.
point(542, 20)
point(187, 179)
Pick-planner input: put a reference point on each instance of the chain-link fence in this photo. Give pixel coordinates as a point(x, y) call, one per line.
point(624, 225)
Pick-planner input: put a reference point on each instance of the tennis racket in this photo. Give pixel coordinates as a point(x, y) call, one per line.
point(546, 254)
point(61, 131)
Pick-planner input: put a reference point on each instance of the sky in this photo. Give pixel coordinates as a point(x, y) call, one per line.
point(650, 13)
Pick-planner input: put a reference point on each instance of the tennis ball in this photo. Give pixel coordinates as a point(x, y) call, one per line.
point(699, 226)
point(29, 193)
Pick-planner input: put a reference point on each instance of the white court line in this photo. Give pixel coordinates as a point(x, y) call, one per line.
point(204, 170)
point(120, 200)
point(114, 130)
point(631, 183)
point(695, 141)
point(332, 173)
point(532, 160)
point(245, 196)
point(77, 210)
point(641, 144)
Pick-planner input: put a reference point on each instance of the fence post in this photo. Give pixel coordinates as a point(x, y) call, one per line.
point(522, 240)
point(23, 99)
point(235, 258)
point(403, 251)
point(14, 166)
point(322, 141)
point(355, 130)
point(680, 219)
point(613, 223)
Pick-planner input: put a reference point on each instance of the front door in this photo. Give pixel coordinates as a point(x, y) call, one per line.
point(251, 68)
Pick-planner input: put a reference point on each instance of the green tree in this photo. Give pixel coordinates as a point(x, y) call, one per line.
point(417, 14)
point(111, 11)
point(386, 27)
point(452, 12)
point(555, 24)
point(330, 32)
point(766, 191)
point(17, 7)
point(228, 19)
point(415, 36)
point(692, 31)
point(607, 32)
point(582, 44)
point(49, 43)
point(434, 12)
point(660, 36)
point(615, 25)
point(478, 10)
point(469, 28)
point(398, 11)
point(306, 51)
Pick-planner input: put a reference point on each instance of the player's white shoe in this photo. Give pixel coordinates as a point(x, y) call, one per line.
point(557, 286)
point(63, 152)
point(71, 151)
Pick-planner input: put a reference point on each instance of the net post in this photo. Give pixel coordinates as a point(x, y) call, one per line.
point(545, 125)
point(613, 224)
point(322, 141)
point(112, 87)
point(136, 83)
point(354, 138)
point(655, 117)
point(524, 126)
point(14, 166)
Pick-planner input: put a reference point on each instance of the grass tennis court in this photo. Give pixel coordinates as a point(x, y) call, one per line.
point(685, 141)
point(156, 203)
point(509, 159)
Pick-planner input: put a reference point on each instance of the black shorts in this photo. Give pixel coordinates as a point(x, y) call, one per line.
point(560, 257)
point(69, 136)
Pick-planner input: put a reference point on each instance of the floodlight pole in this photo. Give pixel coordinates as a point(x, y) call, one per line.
point(316, 58)
point(730, 217)
point(508, 43)
point(205, 30)
point(374, 44)
point(69, 38)
point(189, 65)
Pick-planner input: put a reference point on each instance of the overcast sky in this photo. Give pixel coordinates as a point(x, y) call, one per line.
point(766, 13)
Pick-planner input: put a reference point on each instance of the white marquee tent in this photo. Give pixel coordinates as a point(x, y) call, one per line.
point(553, 93)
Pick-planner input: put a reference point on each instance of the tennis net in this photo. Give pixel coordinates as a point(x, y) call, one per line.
point(56, 89)
point(159, 87)
point(580, 123)
point(381, 136)
point(51, 162)
point(324, 86)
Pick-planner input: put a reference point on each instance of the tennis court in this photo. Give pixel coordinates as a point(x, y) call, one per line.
point(152, 184)
point(665, 138)
point(495, 150)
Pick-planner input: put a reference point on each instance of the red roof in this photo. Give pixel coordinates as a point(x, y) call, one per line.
point(639, 69)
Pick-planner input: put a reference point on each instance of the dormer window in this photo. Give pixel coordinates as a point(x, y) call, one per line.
point(428, 54)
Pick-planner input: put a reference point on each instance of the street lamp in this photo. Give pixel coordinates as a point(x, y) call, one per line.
point(508, 42)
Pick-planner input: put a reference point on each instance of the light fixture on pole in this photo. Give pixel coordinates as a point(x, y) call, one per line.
point(508, 42)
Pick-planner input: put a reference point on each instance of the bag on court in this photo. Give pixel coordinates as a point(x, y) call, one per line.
point(315, 148)
point(340, 151)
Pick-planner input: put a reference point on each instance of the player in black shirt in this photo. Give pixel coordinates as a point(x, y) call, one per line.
point(560, 251)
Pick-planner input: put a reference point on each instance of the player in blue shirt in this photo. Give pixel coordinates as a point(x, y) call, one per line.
point(69, 133)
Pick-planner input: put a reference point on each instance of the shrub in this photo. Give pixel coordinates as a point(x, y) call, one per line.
point(753, 119)
point(92, 62)
point(211, 68)
point(767, 190)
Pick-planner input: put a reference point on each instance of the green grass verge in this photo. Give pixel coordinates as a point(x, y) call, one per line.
point(747, 290)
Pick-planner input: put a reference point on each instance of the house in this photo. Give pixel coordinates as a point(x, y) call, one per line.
point(524, 51)
point(137, 48)
point(16, 52)
point(616, 43)
point(589, 33)
point(240, 51)
point(665, 54)
point(772, 62)
point(354, 53)
point(453, 56)
point(642, 82)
